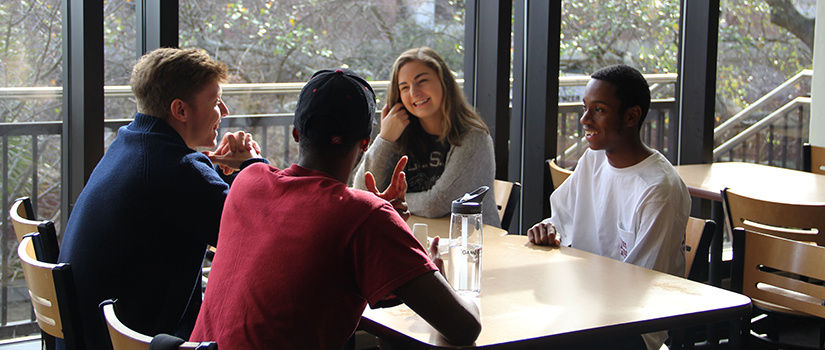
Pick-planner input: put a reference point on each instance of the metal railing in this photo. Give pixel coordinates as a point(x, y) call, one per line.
point(804, 75)
point(776, 139)
point(766, 134)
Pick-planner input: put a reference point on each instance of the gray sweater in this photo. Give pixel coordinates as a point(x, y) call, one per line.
point(468, 167)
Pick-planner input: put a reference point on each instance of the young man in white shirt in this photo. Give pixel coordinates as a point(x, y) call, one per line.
point(624, 200)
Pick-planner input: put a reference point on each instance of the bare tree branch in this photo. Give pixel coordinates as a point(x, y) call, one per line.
point(785, 14)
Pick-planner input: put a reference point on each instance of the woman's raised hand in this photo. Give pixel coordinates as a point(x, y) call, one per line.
point(394, 119)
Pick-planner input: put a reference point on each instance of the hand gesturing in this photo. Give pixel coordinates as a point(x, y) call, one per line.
point(397, 190)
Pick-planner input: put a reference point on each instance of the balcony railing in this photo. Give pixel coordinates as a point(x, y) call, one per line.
point(771, 130)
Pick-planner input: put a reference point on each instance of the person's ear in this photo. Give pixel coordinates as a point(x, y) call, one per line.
point(365, 144)
point(295, 134)
point(633, 115)
point(177, 110)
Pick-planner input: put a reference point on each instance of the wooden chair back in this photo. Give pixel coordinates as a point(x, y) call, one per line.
point(813, 159)
point(770, 269)
point(124, 338)
point(22, 218)
point(698, 234)
point(557, 173)
point(799, 222)
point(507, 195)
point(52, 291)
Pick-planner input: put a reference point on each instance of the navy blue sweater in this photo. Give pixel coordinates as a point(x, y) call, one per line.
point(139, 231)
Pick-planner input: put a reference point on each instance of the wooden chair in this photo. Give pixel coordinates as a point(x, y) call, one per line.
point(769, 271)
point(52, 291)
point(799, 222)
point(46, 247)
point(813, 159)
point(557, 173)
point(507, 195)
point(124, 338)
point(22, 217)
point(698, 235)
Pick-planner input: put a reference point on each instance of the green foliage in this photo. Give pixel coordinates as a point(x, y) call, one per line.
point(754, 55)
point(285, 41)
point(639, 33)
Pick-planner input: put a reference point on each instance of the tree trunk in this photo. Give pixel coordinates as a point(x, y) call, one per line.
point(784, 14)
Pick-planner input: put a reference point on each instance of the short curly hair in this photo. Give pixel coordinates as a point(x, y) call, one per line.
point(166, 74)
point(631, 87)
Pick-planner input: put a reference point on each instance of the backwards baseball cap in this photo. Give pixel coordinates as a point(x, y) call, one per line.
point(335, 105)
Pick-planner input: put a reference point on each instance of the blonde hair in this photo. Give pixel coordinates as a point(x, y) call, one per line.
point(458, 113)
point(166, 74)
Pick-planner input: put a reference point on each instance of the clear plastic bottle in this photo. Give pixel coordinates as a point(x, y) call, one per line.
point(466, 242)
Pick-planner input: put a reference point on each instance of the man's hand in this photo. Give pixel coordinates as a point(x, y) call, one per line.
point(544, 233)
point(396, 192)
point(233, 150)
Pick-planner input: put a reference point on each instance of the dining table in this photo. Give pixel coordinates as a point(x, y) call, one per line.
point(706, 181)
point(561, 297)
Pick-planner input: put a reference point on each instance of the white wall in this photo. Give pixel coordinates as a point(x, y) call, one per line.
point(817, 135)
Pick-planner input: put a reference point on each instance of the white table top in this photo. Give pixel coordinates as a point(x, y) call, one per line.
point(553, 296)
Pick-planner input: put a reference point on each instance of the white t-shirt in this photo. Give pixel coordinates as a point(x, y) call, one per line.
point(636, 214)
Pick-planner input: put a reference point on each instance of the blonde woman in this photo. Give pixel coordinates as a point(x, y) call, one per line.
point(449, 147)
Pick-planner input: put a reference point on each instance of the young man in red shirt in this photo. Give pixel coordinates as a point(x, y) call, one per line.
point(300, 254)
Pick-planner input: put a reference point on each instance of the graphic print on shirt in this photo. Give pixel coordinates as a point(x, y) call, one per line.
point(421, 176)
point(622, 248)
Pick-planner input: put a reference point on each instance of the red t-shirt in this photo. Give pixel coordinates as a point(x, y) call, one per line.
point(299, 257)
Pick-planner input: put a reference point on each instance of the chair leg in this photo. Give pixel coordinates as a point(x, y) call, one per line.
point(821, 334)
point(677, 338)
point(740, 333)
point(47, 341)
point(774, 325)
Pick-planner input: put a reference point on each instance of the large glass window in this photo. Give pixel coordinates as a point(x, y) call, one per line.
point(30, 116)
point(119, 55)
point(271, 47)
point(643, 34)
point(269, 42)
point(763, 79)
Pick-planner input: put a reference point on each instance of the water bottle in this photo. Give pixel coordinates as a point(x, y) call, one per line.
point(464, 262)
